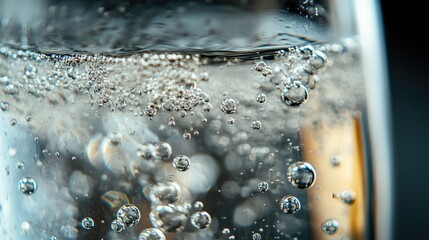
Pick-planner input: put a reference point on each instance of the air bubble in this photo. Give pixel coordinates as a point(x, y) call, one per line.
point(201, 219)
point(13, 122)
point(347, 197)
point(261, 98)
point(294, 94)
point(169, 218)
point(151, 234)
point(256, 236)
point(129, 215)
point(301, 175)
point(181, 163)
point(226, 231)
point(256, 125)
point(330, 226)
point(187, 135)
point(163, 150)
point(166, 193)
point(228, 105)
point(335, 160)
point(318, 60)
point(117, 226)
point(231, 120)
point(290, 204)
point(87, 223)
point(171, 121)
point(198, 205)
point(263, 186)
point(306, 51)
point(4, 106)
point(207, 107)
point(27, 185)
point(20, 165)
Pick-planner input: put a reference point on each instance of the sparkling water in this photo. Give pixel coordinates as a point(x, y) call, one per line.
point(127, 144)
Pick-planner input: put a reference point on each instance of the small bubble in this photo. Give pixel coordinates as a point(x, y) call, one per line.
point(13, 122)
point(228, 105)
point(290, 204)
point(301, 175)
point(28, 117)
point(151, 234)
point(169, 218)
point(231, 120)
point(204, 120)
point(347, 197)
point(330, 226)
point(256, 236)
point(27, 185)
point(129, 215)
point(198, 205)
point(20, 165)
point(117, 226)
point(163, 150)
point(256, 125)
point(196, 133)
point(201, 219)
point(165, 193)
point(115, 138)
point(207, 107)
point(149, 111)
point(54, 238)
point(25, 227)
point(36, 139)
point(181, 163)
point(261, 98)
point(260, 66)
point(204, 76)
point(318, 60)
point(87, 223)
point(294, 94)
point(263, 186)
point(306, 51)
point(171, 121)
point(226, 231)
point(335, 160)
point(4, 106)
point(187, 135)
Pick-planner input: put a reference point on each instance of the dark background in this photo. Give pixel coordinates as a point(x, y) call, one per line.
point(408, 67)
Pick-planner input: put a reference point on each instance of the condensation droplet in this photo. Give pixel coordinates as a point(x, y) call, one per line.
point(181, 163)
point(201, 219)
point(27, 185)
point(301, 175)
point(290, 204)
point(330, 226)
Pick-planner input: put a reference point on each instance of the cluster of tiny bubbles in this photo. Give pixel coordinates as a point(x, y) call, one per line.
point(87, 223)
point(263, 186)
point(301, 175)
point(129, 215)
point(290, 204)
point(256, 125)
point(181, 163)
point(261, 98)
point(347, 197)
point(228, 105)
point(27, 185)
point(256, 236)
point(201, 219)
point(330, 226)
point(151, 234)
point(169, 218)
point(294, 94)
point(117, 226)
point(165, 193)
point(198, 205)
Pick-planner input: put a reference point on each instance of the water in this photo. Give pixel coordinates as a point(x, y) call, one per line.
point(180, 143)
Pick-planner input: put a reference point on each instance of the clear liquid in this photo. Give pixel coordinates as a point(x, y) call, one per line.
point(178, 133)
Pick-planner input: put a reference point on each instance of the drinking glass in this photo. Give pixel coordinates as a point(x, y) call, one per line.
point(216, 119)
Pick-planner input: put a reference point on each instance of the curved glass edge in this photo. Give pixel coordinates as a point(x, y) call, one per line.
point(369, 27)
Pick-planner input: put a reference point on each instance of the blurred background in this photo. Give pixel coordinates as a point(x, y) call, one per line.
point(407, 64)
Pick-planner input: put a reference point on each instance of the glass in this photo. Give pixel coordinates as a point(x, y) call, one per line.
point(193, 120)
